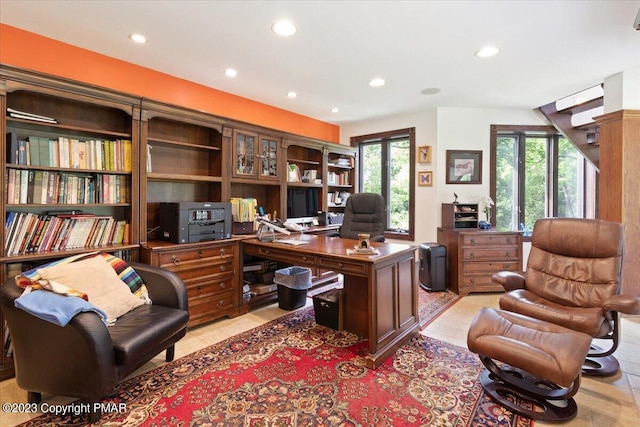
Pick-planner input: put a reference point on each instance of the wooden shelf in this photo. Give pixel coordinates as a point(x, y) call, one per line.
point(50, 127)
point(181, 177)
point(151, 141)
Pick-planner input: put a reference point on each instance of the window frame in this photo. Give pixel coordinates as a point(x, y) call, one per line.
point(590, 204)
point(386, 138)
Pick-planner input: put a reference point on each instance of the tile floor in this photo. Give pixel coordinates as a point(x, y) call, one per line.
point(612, 401)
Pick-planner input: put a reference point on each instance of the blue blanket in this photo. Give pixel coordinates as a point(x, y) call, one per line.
point(55, 308)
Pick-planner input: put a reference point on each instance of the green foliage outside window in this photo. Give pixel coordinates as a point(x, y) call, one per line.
point(524, 189)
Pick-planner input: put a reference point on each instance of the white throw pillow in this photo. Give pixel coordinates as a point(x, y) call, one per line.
point(96, 278)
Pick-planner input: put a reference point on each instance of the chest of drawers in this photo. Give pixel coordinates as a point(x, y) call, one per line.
point(474, 256)
point(210, 271)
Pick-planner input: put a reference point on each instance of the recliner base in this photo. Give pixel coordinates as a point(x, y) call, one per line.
point(545, 404)
point(600, 366)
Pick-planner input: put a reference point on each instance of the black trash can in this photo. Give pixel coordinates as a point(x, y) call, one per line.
point(293, 283)
point(433, 267)
point(327, 308)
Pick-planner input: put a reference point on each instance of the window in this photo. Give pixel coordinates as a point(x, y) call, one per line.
point(537, 172)
point(387, 168)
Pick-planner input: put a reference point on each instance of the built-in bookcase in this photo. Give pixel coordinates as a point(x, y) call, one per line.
point(341, 178)
point(182, 160)
point(69, 172)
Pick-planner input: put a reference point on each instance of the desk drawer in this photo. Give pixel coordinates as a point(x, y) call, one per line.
point(340, 266)
point(490, 254)
point(209, 285)
point(179, 256)
point(203, 309)
point(491, 267)
point(287, 257)
point(201, 267)
point(479, 239)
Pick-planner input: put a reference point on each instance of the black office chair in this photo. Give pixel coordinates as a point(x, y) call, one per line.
point(364, 213)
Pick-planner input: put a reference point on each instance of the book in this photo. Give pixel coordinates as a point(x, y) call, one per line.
point(38, 187)
point(22, 152)
point(45, 159)
point(12, 148)
point(33, 143)
point(11, 186)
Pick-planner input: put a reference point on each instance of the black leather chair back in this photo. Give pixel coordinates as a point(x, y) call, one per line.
point(364, 213)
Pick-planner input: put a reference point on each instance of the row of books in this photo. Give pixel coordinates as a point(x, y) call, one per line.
point(29, 232)
point(243, 210)
point(28, 186)
point(69, 153)
point(339, 178)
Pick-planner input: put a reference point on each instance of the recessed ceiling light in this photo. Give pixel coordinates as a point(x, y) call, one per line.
point(292, 94)
point(488, 51)
point(335, 110)
point(430, 91)
point(284, 28)
point(138, 38)
point(377, 82)
point(230, 72)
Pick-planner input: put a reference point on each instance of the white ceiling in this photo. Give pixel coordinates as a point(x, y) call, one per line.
point(549, 49)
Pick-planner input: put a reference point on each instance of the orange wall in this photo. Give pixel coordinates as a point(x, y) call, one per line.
point(27, 50)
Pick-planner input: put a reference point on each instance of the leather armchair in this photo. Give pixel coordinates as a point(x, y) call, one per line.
point(573, 279)
point(85, 358)
point(364, 213)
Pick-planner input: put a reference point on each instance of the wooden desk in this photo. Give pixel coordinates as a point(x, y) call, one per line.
point(388, 315)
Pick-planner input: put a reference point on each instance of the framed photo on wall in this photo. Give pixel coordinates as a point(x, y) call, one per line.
point(464, 167)
point(425, 178)
point(424, 154)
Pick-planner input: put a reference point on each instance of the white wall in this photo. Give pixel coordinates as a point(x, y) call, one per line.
point(446, 129)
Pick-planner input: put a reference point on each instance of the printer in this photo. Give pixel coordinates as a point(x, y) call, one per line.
point(189, 222)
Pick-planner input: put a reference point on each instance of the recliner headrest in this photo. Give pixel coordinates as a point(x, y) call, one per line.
point(578, 237)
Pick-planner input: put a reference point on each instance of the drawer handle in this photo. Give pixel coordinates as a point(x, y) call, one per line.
point(222, 285)
point(304, 258)
point(472, 255)
point(340, 265)
point(473, 242)
point(223, 267)
point(507, 254)
point(506, 266)
point(472, 282)
point(509, 240)
point(220, 303)
point(222, 252)
point(200, 253)
point(175, 260)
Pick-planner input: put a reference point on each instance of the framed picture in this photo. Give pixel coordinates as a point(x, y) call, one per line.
point(425, 178)
point(424, 154)
point(464, 167)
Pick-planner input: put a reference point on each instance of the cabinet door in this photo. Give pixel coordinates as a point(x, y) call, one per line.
point(245, 154)
point(268, 158)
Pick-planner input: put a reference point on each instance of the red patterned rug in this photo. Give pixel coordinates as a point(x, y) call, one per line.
point(292, 372)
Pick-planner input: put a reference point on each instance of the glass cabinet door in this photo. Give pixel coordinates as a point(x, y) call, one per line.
point(244, 154)
point(268, 157)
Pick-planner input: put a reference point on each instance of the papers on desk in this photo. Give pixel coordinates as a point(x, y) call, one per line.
point(293, 242)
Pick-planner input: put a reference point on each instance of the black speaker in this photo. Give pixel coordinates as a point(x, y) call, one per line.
point(433, 266)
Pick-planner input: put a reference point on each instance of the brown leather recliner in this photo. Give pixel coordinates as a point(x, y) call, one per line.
point(573, 279)
point(85, 358)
